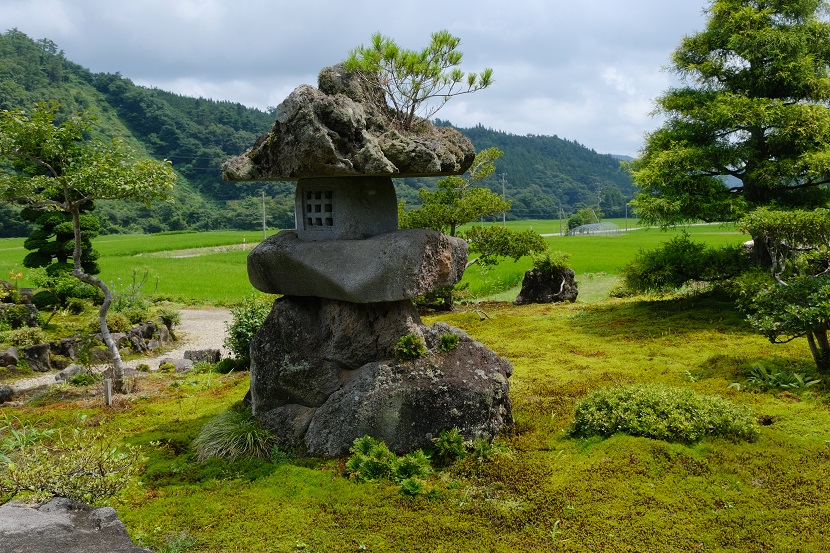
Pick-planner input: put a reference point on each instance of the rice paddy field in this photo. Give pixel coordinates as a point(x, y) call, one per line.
point(209, 267)
point(543, 489)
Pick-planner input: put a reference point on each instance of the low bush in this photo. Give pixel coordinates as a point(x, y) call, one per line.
point(447, 342)
point(83, 379)
point(449, 447)
point(372, 460)
point(233, 434)
point(764, 378)
point(26, 336)
point(84, 465)
point(680, 261)
point(248, 318)
point(662, 413)
point(409, 347)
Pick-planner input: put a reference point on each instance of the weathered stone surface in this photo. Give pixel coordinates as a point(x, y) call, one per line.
point(406, 405)
point(389, 267)
point(182, 365)
point(65, 375)
point(539, 287)
point(63, 526)
point(18, 314)
point(37, 357)
point(9, 357)
point(203, 355)
point(307, 347)
point(6, 394)
point(348, 208)
point(337, 130)
point(322, 375)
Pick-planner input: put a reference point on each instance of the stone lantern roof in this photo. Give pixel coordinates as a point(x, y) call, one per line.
point(339, 130)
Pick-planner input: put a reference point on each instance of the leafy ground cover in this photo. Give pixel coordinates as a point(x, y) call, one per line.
point(545, 490)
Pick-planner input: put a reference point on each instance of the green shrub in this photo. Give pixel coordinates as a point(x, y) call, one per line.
point(662, 413)
point(411, 465)
point(226, 366)
point(84, 465)
point(449, 446)
point(248, 318)
point(548, 262)
point(167, 368)
point(447, 342)
point(76, 306)
point(412, 487)
point(170, 317)
point(680, 261)
point(116, 322)
point(26, 336)
point(370, 460)
point(83, 379)
point(135, 313)
point(232, 434)
point(409, 347)
point(143, 367)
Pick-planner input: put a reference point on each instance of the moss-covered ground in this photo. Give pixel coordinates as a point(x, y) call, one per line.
point(548, 492)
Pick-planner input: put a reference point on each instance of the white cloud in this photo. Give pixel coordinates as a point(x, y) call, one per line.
point(585, 71)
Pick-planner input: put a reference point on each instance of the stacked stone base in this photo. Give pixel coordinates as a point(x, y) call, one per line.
point(322, 374)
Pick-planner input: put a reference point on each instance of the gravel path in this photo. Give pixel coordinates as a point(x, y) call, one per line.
point(199, 329)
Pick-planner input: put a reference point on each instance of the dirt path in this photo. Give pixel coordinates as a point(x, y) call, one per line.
point(199, 329)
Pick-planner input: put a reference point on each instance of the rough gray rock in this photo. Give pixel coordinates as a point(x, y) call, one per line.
point(66, 374)
point(307, 346)
point(389, 267)
point(204, 355)
point(6, 394)
point(182, 365)
point(408, 404)
point(37, 357)
point(337, 130)
point(9, 357)
point(322, 375)
point(19, 314)
point(552, 287)
point(63, 526)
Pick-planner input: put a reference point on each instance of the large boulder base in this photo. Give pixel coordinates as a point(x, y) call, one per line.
point(389, 267)
point(547, 287)
point(337, 130)
point(322, 374)
point(63, 526)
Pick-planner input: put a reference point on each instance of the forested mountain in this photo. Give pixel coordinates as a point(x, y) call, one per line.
point(540, 173)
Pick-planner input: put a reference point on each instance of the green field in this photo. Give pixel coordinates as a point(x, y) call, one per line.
point(210, 266)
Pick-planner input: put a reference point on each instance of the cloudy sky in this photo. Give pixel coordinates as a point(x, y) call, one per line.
point(585, 70)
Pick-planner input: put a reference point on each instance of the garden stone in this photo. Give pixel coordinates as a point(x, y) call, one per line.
point(552, 287)
point(306, 346)
point(6, 394)
point(10, 357)
point(64, 526)
point(390, 267)
point(66, 374)
point(334, 132)
point(403, 404)
point(19, 315)
point(182, 365)
point(38, 357)
point(211, 356)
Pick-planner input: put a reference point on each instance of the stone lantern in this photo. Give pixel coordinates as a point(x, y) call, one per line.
point(322, 369)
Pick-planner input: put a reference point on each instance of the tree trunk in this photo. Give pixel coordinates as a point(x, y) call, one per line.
point(115, 355)
point(820, 348)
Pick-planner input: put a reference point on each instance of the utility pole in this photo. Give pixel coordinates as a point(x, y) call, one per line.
point(503, 197)
point(264, 228)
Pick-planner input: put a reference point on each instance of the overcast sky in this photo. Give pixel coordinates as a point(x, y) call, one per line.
point(585, 70)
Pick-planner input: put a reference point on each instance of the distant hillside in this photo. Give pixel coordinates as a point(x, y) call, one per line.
point(541, 173)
